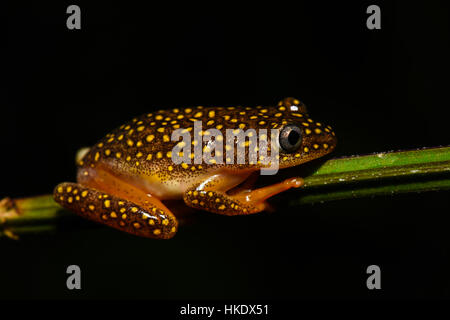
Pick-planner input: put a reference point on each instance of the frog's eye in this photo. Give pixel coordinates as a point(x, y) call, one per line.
point(290, 138)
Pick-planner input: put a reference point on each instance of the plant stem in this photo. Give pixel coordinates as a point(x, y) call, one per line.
point(344, 178)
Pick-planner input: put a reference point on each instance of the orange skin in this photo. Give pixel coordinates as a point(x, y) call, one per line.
point(124, 178)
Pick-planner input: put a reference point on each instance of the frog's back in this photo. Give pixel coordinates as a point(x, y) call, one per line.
point(143, 146)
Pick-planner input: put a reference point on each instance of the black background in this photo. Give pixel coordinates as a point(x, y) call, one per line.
point(380, 89)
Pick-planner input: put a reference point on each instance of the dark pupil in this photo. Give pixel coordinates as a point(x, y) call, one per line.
point(293, 137)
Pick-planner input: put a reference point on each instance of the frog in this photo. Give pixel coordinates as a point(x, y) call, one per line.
point(127, 178)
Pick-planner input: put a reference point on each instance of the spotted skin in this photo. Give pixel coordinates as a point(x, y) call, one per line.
point(115, 212)
point(134, 162)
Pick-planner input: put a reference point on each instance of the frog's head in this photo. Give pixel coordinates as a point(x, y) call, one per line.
point(300, 138)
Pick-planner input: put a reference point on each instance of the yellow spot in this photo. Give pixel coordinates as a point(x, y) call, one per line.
point(281, 108)
point(297, 155)
point(285, 158)
point(107, 203)
point(317, 130)
point(159, 117)
point(149, 156)
point(75, 191)
point(113, 215)
point(61, 198)
point(130, 142)
point(84, 194)
point(118, 155)
point(254, 117)
point(279, 114)
point(181, 144)
point(104, 217)
point(176, 126)
point(315, 146)
point(166, 138)
point(110, 140)
point(306, 124)
point(139, 144)
point(60, 189)
point(176, 110)
point(165, 222)
point(150, 138)
point(210, 194)
point(218, 127)
point(122, 210)
point(70, 200)
point(262, 122)
point(157, 232)
point(184, 165)
point(134, 209)
point(128, 158)
point(222, 207)
point(169, 154)
point(160, 129)
point(188, 110)
point(151, 222)
point(195, 201)
point(97, 155)
point(325, 146)
point(77, 198)
point(159, 155)
point(152, 123)
point(120, 137)
point(137, 163)
point(124, 216)
point(167, 119)
point(310, 121)
point(170, 168)
point(194, 143)
point(306, 149)
point(127, 128)
point(308, 131)
point(130, 132)
point(212, 114)
point(210, 122)
point(318, 124)
point(91, 207)
point(173, 229)
point(234, 120)
point(180, 116)
point(241, 125)
point(298, 115)
point(136, 225)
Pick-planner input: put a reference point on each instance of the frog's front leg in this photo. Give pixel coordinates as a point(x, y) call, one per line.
point(149, 220)
point(211, 196)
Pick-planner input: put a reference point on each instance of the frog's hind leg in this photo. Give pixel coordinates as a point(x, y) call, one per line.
point(147, 220)
point(212, 197)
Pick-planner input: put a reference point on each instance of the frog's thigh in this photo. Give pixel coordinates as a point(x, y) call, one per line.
point(207, 197)
point(108, 209)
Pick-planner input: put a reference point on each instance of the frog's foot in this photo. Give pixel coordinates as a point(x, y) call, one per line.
point(242, 203)
point(151, 220)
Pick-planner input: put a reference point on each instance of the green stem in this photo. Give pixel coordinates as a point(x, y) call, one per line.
point(344, 178)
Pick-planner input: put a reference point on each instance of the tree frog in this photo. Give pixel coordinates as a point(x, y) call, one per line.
point(123, 180)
